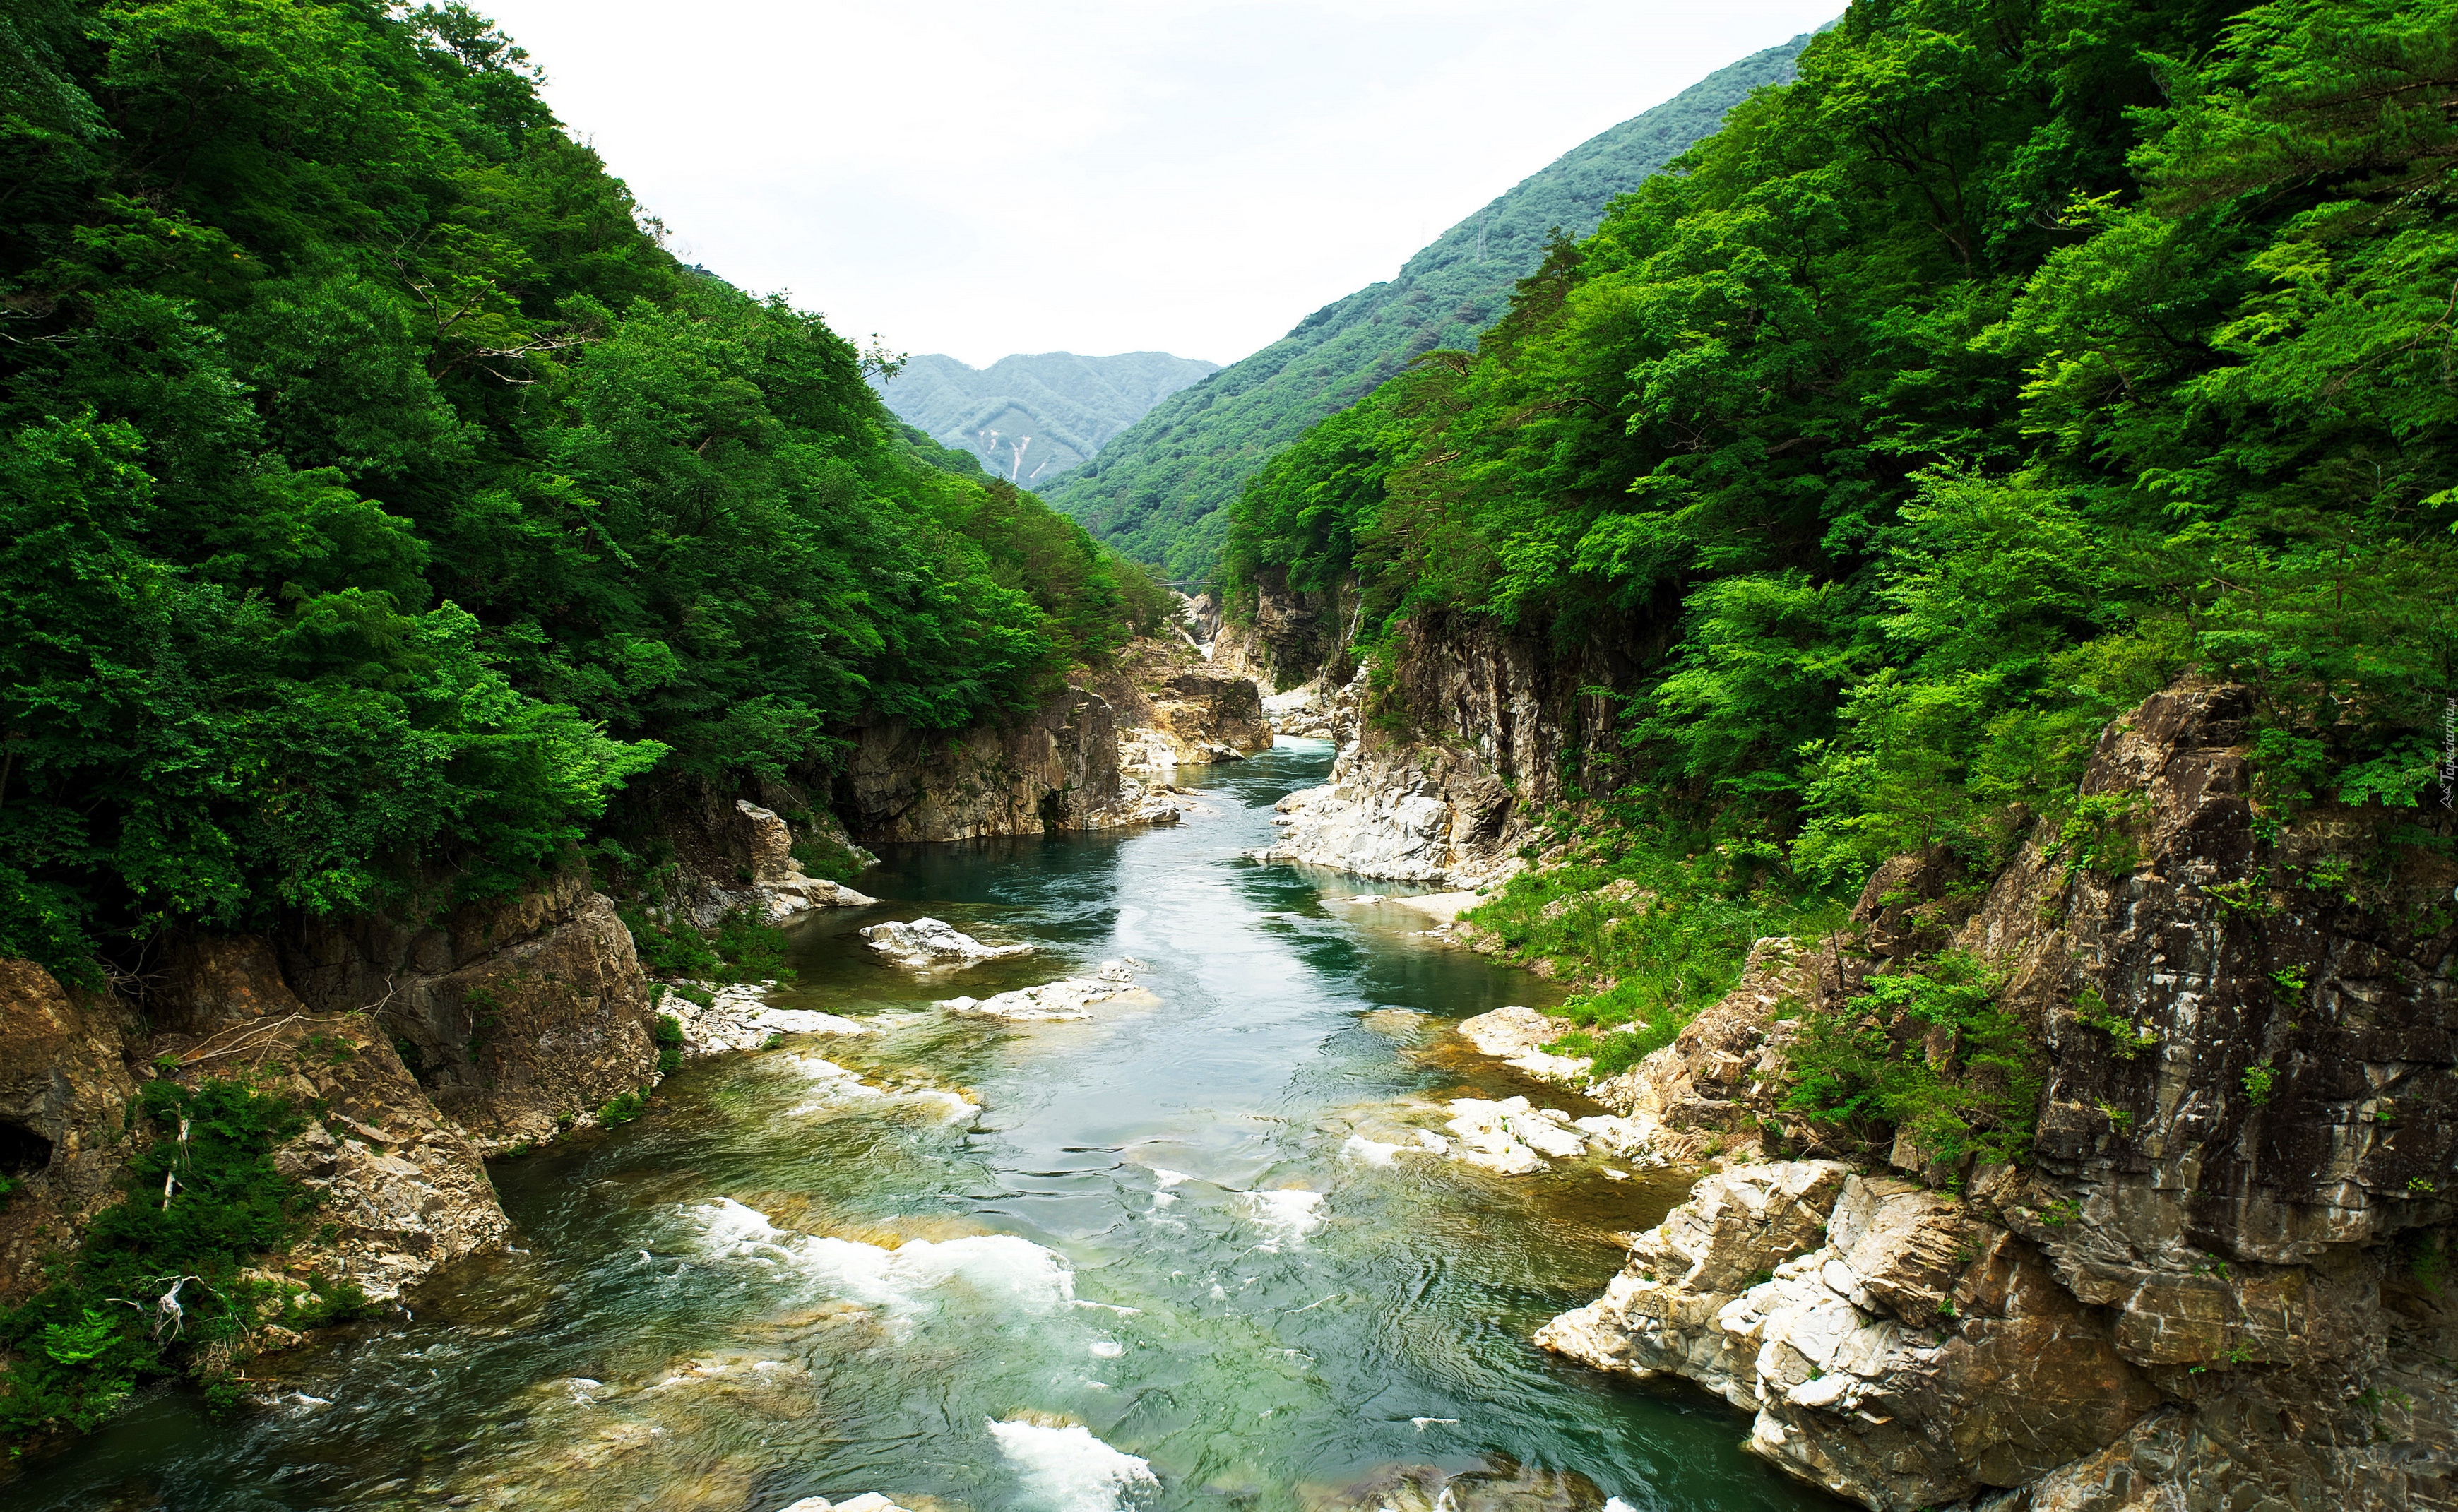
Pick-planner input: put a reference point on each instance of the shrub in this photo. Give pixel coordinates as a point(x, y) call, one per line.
point(669, 1035)
point(156, 1281)
point(1874, 1066)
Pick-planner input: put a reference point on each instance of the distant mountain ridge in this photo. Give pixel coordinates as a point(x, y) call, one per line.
point(1160, 488)
point(1031, 418)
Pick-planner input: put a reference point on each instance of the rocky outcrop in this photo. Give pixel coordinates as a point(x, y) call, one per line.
point(402, 1190)
point(777, 890)
point(736, 1017)
point(1476, 732)
point(1174, 709)
point(932, 944)
point(517, 1015)
point(1895, 1350)
point(1072, 997)
point(64, 1095)
point(2216, 1282)
point(1057, 770)
point(1423, 815)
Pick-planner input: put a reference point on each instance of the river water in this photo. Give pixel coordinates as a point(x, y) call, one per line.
point(1181, 1257)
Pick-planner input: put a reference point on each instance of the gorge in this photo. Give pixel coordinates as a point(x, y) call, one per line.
point(1816, 871)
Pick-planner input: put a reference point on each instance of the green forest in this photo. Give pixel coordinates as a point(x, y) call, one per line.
point(2012, 362)
point(1161, 489)
point(380, 501)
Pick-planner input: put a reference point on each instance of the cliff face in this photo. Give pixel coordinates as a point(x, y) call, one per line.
point(512, 1015)
point(64, 1095)
point(2218, 1282)
point(423, 1045)
point(1094, 758)
point(1175, 707)
point(1472, 739)
point(1057, 770)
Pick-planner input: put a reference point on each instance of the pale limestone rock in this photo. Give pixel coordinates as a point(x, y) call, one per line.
point(739, 1018)
point(1071, 998)
point(1509, 1137)
point(926, 944)
point(1515, 1035)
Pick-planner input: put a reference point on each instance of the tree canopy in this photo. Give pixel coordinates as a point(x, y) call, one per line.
point(2015, 359)
point(377, 495)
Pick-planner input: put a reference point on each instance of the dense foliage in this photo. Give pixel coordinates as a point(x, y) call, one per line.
point(2014, 360)
point(157, 1287)
point(376, 495)
point(1161, 489)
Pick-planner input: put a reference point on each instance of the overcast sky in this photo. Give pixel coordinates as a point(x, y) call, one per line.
point(1099, 175)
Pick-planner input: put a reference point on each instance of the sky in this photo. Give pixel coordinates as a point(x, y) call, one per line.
point(1099, 175)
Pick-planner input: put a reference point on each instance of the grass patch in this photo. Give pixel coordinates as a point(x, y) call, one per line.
point(1670, 931)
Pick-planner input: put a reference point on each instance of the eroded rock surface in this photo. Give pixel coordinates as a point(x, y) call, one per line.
point(2215, 1287)
point(1070, 998)
point(1055, 770)
point(65, 1086)
point(932, 944)
point(739, 1017)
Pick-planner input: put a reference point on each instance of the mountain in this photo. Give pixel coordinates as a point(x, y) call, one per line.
point(1158, 490)
point(1031, 418)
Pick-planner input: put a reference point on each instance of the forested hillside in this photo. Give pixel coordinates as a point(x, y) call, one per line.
point(2009, 364)
point(1158, 490)
point(1028, 419)
point(377, 497)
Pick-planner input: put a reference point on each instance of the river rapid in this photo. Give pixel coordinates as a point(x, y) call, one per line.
point(1179, 1254)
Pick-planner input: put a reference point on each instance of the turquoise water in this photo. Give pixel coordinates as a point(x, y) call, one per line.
point(1171, 1262)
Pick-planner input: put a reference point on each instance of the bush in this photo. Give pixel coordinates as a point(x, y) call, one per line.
point(669, 1035)
point(156, 1281)
point(1872, 1067)
point(1671, 930)
point(622, 1110)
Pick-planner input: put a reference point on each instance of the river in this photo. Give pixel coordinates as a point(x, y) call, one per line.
point(1173, 1262)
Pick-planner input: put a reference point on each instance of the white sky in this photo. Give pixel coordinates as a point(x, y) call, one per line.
point(1099, 175)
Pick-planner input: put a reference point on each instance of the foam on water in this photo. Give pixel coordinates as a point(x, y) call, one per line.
point(1014, 1275)
point(1164, 1180)
point(1285, 1216)
point(1068, 1470)
point(1372, 1152)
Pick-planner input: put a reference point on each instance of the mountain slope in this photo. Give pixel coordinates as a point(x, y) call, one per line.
point(1159, 490)
point(1031, 418)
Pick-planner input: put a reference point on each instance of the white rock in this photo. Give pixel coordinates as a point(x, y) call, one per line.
point(1070, 998)
point(932, 944)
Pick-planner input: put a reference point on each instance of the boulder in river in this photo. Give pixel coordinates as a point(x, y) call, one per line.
point(926, 944)
point(1071, 998)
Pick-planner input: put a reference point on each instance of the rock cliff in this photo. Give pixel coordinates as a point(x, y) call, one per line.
point(422, 1043)
point(2216, 1283)
point(1475, 735)
point(1176, 709)
point(515, 1016)
point(1057, 768)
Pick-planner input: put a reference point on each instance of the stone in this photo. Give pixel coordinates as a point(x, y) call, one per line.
point(64, 1088)
point(928, 945)
point(520, 1016)
point(739, 1018)
point(1071, 998)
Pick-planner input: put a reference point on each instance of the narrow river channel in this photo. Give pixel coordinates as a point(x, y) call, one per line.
point(1183, 1256)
